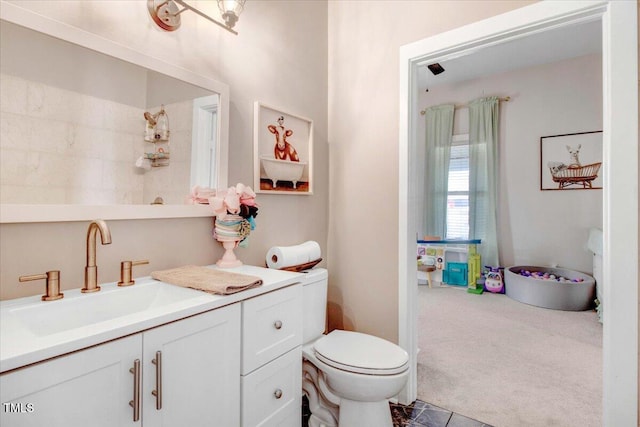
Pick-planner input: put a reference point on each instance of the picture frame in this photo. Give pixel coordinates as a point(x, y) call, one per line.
point(571, 161)
point(283, 151)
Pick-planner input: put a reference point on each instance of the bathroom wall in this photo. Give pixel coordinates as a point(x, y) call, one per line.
point(364, 42)
point(537, 227)
point(37, 57)
point(279, 58)
point(60, 146)
point(71, 136)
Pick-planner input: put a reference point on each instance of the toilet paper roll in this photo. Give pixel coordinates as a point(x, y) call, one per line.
point(287, 256)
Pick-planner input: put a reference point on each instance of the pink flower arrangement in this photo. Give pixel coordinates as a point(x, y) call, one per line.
point(238, 200)
point(226, 201)
point(234, 208)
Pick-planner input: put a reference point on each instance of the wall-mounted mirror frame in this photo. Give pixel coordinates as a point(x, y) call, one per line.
point(23, 213)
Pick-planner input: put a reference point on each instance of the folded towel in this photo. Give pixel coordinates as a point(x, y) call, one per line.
point(207, 279)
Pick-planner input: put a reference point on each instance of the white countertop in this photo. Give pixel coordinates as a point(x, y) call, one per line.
point(21, 346)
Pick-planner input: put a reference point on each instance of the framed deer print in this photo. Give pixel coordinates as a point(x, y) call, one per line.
point(282, 151)
point(571, 162)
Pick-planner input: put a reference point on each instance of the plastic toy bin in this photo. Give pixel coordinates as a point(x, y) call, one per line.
point(455, 273)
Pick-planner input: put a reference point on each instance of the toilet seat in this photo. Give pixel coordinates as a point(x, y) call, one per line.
point(361, 353)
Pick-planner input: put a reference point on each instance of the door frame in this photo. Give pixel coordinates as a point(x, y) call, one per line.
point(620, 193)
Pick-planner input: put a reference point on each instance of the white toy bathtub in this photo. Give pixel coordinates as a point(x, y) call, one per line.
point(282, 170)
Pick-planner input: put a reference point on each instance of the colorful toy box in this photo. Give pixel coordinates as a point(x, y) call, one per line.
point(455, 273)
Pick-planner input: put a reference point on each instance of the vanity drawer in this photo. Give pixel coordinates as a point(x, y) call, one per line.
point(272, 394)
point(271, 326)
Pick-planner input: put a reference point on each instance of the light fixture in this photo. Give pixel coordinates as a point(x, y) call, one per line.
point(166, 13)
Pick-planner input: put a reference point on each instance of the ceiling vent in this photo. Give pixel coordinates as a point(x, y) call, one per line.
point(435, 68)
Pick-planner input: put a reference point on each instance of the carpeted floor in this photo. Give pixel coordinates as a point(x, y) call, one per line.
point(508, 364)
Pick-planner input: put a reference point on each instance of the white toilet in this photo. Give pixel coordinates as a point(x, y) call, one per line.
point(347, 376)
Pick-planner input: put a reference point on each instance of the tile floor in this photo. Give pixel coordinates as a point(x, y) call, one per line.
point(418, 414)
point(422, 414)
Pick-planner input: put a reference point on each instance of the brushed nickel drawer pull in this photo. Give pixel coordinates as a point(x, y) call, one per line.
point(277, 324)
point(277, 393)
point(158, 391)
point(135, 403)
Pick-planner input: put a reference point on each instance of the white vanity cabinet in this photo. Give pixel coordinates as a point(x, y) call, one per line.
point(272, 359)
point(186, 358)
point(196, 381)
point(88, 387)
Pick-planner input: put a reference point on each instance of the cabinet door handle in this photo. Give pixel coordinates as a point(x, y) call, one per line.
point(277, 324)
point(158, 391)
point(135, 403)
point(277, 393)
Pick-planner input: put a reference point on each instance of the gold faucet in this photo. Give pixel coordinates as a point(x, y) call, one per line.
point(91, 270)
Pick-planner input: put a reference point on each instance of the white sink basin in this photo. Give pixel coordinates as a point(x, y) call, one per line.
point(82, 310)
point(32, 330)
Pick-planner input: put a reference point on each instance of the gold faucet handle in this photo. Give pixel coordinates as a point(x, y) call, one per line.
point(125, 271)
point(53, 284)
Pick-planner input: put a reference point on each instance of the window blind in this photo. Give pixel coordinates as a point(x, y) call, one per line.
point(458, 195)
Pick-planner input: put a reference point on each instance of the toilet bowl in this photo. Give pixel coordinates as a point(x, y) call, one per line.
point(349, 376)
point(358, 373)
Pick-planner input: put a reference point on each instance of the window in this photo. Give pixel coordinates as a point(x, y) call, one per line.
point(204, 141)
point(458, 193)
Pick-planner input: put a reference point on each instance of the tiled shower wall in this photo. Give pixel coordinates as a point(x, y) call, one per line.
point(60, 146)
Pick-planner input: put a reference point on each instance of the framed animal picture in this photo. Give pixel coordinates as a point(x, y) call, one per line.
point(282, 151)
point(571, 162)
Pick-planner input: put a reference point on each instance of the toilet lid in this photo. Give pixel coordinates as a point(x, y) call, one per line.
point(361, 353)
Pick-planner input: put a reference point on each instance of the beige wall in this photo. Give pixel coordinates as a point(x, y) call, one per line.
point(364, 42)
point(279, 58)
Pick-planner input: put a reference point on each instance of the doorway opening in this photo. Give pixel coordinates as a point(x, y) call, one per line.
point(620, 123)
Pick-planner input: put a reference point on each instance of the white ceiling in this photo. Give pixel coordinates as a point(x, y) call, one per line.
point(542, 48)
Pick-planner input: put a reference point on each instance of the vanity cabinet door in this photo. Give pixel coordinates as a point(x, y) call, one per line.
point(92, 387)
point(197, 381)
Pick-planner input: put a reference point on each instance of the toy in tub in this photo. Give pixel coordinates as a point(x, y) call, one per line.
point(554, 288)
point(282, 170)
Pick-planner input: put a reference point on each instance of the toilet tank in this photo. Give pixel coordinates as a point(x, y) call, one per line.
point(314, 303)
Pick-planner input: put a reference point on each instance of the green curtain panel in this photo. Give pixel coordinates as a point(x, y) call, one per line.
point(483, 176)
point(439, 135)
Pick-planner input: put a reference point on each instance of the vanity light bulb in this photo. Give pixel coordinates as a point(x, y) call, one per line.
point(235, 6)
point(230, 10)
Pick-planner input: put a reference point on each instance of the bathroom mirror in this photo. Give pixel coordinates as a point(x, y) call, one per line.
point(75, 142)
